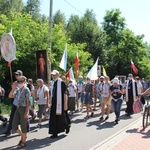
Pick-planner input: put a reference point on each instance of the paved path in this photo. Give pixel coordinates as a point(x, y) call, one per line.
point(83, 135)
point(132, 137)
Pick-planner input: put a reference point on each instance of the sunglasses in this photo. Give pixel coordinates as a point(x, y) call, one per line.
point(17, 74)
point(20, 81)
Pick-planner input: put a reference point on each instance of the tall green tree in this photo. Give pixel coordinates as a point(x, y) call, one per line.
point(11, 6)
point(86, 30)
point(122, 45)
point(59, 40)
point(59, 17)
point(33, 8)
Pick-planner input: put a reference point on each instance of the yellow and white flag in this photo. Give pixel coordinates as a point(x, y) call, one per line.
point(104, 72)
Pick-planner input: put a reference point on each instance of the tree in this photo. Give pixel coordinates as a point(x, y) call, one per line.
point(86, 30)
point(30, 36)
point(11, 6)
point(59, 40)
point(33, 8)
point(113, 25)
point(59, 18)
point(122, 45)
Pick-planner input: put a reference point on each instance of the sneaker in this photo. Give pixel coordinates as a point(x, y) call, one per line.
point(116, 121)
point(92, 114)
point(38, 126)
point(5, 122)
point(101, 118)
point(106, 118)
point(87, 117)
point(77, 110)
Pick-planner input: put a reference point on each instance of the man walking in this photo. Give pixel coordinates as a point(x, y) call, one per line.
point(131, 94)
point(18, 73)
point(58, 121)
point(42, 100)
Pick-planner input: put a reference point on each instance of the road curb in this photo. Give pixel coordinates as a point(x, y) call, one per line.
point(105, 144)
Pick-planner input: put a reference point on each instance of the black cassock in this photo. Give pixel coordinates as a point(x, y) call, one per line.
point(58, 123)
point(129, 109)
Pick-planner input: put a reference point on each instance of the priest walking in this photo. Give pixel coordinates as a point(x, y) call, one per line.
point(58, 117)
point(131, 94)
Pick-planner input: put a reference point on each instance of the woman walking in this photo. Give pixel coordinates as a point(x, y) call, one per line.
point(106, 100)
point(89, 93)
point(117, 97)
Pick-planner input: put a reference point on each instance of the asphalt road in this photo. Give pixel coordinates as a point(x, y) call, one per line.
point(83, 134)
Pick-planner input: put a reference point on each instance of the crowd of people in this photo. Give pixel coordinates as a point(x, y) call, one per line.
point(61, 98)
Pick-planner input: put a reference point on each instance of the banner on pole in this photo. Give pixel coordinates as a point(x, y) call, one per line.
point(41, 61)
point(8, 47)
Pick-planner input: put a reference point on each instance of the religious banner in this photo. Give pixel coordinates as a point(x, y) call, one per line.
point(8, 47)
point(41, 61)
point(98, 70)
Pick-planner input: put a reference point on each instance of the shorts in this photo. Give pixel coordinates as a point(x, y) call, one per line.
point(41, 111)
point(106, 101)
point(81, 96)
point(20, 120)
point(96, 94)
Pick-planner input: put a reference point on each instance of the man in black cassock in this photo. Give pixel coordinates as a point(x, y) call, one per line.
point(131, 94)
point(59, 120)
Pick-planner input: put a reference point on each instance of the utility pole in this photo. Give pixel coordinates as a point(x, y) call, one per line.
point(51, 25)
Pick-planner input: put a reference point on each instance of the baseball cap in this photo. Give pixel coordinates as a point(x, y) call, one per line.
point(19, 72)
point(54, 72)
point(80, 77)
point(101, 77)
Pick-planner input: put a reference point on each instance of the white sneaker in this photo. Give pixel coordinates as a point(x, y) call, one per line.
point(38, 126)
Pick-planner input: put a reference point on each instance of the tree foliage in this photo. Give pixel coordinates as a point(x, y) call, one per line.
point(113, 43)
point(11, 6)
point(122, 45)
point(59, 18)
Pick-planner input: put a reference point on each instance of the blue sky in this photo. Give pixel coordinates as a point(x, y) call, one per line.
point(136, 12)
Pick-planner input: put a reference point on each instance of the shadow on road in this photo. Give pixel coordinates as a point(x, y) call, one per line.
point(37, 143)
point(144, 132)
point(101, 124)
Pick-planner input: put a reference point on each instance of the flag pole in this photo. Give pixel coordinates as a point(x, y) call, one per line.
point(51, 26)
point(11, 74)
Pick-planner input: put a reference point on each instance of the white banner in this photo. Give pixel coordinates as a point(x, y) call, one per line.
point(8, 47)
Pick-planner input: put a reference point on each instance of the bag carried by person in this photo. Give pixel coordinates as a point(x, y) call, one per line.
point(137, 106)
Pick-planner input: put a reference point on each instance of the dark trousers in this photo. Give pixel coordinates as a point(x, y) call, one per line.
point(13, 109)
point(117, 107)
point(129, 109)
point(2, 118)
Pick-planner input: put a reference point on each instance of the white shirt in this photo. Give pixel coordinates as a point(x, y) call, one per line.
point(101, 86)
point(105, 90)
point(80, 85)
point(41, 95)
point(72, 90)
point(139, 86)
